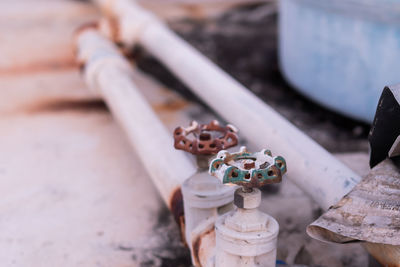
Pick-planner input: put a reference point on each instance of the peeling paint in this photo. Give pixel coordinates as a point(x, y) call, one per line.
point(36, 67)
point(176, 207)
point(171, 105)
point(198, 246)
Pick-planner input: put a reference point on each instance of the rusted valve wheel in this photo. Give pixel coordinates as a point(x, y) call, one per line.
point(248, 169)
point(205, 139)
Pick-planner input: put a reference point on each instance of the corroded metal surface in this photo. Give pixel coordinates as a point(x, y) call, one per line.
point(202, 246)
point(388, 255)
point(205, 139)
point(248, 169)
point(176, 207)
point(370, 212)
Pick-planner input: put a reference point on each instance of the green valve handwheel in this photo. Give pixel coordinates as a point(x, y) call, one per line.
point(248, 169)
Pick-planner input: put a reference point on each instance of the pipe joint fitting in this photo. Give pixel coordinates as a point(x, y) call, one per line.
point(246, 244)
point(96, 55)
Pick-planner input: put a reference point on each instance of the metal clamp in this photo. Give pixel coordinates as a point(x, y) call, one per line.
point(205, 139)
point(248, 169)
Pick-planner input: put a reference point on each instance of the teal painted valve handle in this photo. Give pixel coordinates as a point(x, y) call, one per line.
point(248, 169)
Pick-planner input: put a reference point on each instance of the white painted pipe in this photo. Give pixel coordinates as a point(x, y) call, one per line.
point(205, 198)
point(310, 166)
point(246, 236)
point(109, 73)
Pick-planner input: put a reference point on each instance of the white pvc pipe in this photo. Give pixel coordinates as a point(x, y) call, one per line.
point(310, 166)
point(107, 72)
point(205, 198)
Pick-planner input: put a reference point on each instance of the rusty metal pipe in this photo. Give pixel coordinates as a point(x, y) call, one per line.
point(108, 73)
point(312, 168)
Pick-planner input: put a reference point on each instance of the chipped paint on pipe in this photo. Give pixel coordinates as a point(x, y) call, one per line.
point(176, 207)
point(205, 199)
point(108, 73)
point(313, 169)
point(203, 243)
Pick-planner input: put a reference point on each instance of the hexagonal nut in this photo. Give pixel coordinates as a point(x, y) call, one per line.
point(247, 200)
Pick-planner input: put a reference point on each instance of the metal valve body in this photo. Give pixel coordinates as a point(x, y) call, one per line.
point(205, 139)
point(247, 236)
point(205, 198)
point(248, 169)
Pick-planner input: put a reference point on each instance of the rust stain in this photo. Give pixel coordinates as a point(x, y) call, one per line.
point(197, 245)
point(205, 139)
point(86, 26)
point(171, 105)
point(87, 105)
point(196, 250)
point(113, 22)
point(78, 31)
point(195, 11)
point(63, 64)
point(176, 207)
point(387, 255)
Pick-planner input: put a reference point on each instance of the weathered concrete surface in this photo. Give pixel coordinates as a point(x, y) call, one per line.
point(36, 35)
point(73, 191)
point(69, 191)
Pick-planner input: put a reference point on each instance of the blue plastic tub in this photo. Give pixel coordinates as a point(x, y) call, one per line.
point(341, 53)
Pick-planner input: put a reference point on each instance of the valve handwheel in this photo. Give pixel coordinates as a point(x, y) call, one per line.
point(246, 169)
point(205, 139)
